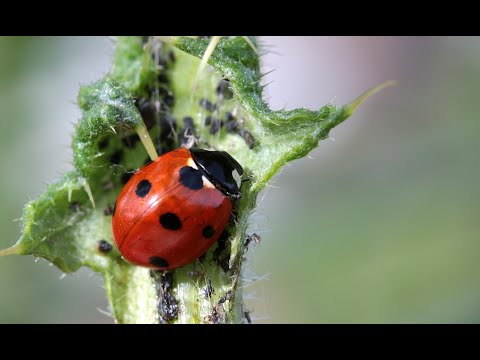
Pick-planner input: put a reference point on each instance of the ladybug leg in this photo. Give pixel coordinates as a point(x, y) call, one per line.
point(221, 255)
point(233, 218)
point(202, 257)
point(247, 179)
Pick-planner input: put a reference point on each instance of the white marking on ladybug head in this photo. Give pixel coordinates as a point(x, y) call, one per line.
point(192, 164)
point(207, 183)
point(236, 176)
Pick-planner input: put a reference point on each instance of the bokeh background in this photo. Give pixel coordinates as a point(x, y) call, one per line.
point(380, 224)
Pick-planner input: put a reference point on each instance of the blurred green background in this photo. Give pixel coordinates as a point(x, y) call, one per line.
point(378, 225)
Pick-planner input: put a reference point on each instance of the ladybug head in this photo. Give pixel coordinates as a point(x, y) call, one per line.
point(221, 169)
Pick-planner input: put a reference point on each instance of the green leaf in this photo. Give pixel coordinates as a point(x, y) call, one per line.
point(64, 227)
point(108, 108)
point(132, 66)
point(281, 136)
point(46, 231)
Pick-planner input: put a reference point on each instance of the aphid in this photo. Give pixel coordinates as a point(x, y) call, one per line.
point(104, 247)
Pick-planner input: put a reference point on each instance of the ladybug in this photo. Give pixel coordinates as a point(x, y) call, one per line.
point(173, 210)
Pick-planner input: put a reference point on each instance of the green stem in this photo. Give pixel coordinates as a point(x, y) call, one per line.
point(150, 87)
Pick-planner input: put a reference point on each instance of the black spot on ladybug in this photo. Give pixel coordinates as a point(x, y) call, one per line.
point(158, 261)
point(103, 143)
point(248, 138)
point(208, 231)
point(143, 188)
point(232, 126)
point(170, 221)
point(74, 206)
point(208, 120)
point(206, 104)
point(117, 157)
point(191, 178)
point(104, 247)
point(108, 210)
point(125, 177)
point(216, 125)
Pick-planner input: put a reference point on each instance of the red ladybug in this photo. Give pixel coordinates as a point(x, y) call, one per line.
point(173, 210)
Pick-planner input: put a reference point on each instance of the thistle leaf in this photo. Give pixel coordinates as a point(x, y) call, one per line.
point(150, 87)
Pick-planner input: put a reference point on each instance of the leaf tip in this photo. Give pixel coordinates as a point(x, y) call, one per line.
point(250, 43)
point(352, 106)
point(13, 250)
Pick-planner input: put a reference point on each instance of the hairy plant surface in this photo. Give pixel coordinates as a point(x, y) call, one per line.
point(153, 94)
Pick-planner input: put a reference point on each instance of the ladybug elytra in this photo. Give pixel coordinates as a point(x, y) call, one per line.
point(173, 210)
